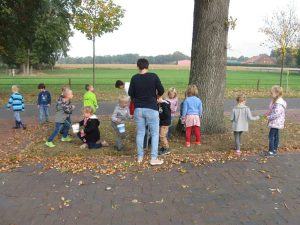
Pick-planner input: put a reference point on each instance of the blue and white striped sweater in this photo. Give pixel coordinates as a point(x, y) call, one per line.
point(16, 101)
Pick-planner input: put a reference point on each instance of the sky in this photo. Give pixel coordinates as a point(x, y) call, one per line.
point(153, 27)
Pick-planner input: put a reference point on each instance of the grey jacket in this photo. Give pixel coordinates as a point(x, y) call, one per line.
point(120, 115)
point(63, 110)
point(240, 117)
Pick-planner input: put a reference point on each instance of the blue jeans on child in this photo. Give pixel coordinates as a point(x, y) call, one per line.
point(170, 131)
point(17, 116)
point(44, 109)
point(273, 140)
point(65, 127)
point(150, 117)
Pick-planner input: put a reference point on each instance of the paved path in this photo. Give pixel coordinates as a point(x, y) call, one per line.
point(106, 108)
point(238, 192)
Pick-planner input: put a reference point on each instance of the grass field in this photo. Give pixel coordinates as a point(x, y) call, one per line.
point(237, 81)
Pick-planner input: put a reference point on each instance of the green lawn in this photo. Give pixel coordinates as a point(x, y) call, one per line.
point(105, 79)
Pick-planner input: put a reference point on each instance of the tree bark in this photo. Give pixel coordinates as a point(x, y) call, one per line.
point(282, 66)
point(209, 59)
point(94, 61)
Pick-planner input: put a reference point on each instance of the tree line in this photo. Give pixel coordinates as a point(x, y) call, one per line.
point(34, 32)
point(124, 59)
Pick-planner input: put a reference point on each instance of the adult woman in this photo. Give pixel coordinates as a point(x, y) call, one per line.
point(144, 90)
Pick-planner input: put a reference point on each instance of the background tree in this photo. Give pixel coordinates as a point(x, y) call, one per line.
point(33, 32)
point(209, 57)
point(95, 18)
point(282, 30)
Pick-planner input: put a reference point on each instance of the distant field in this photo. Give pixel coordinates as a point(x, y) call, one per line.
point(171, 76)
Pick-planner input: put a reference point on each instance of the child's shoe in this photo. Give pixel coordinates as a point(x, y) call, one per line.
point(238, 152)
point(270, 154)
point(50, 144)
point(66, 139)
point(84, 146)
point(188, 144)
point(164, 151)
point(156, 162)
point(22, 125)
point(140, 159)
point(197, 143)
point(17, 125)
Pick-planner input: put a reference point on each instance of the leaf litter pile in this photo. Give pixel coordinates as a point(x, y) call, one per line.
point(27, 147)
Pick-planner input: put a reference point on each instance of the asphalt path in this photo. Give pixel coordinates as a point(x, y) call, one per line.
point(106, 108)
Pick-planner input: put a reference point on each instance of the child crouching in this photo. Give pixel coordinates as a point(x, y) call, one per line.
point(119, 116)
point(164, 123)
point(90, 134)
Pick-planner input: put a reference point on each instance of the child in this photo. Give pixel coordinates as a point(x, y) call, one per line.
point(64, 109)
point(164, 123)
point(89, 98)
point(44, 102)
point(16, 101)
point(172, 98)
point(240, 117)
point(192, 111)
point(276, 119)
point(90, 134)
point(119, 116)
point(121, 85)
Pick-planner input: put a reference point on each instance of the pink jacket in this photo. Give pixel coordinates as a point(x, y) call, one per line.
point(276, 115)
point(174, 105)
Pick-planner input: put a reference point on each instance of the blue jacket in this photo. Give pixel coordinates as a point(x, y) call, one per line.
point(192, 106)
point(16, 101)
point(44, 98)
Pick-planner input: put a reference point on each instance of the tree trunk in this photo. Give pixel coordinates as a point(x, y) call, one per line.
point(209, 59)
point(94, 61)
point(28, 62)
point(282, 66)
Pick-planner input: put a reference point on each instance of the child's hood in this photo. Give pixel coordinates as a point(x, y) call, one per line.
point(282, 102)
point(93, 117)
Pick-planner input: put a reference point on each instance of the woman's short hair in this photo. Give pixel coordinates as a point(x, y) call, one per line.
point(142, 64)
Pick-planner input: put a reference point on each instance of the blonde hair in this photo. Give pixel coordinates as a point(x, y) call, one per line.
point(123, 98)
point(88, 109)
point(172, 90)
point(192, 90)
point(241, 98)
point(15, 88)
point(67, 92)
point(278, 91)
point(65, 87)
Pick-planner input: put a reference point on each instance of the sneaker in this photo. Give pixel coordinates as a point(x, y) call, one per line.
point(50, 144)
point(238, 152)
point(188, 144)
point(140, 159)
point(269, 154)
point(104, 144)
point(156, 162)
point(84, 146)
point(164, 151)
point(66, 139)
point(197, 143)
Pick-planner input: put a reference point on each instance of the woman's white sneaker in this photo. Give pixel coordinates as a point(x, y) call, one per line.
point(156, 162)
